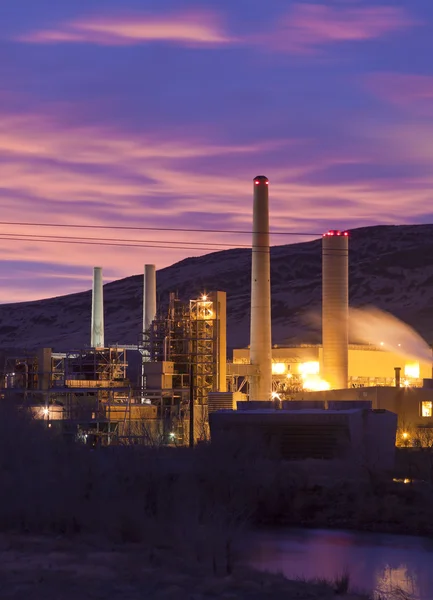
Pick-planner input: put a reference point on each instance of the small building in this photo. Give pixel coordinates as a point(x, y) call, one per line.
point(361, 435)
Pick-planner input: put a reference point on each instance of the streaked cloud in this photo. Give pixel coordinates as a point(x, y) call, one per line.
point(118, 127)
point(308, 28)
point(190, 28)
point(304, 29)
point(405, 90)
point(58, 173)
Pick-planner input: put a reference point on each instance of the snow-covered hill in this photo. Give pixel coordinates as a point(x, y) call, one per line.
point(391, 267)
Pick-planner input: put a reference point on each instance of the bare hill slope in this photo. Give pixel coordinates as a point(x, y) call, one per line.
point(391, 267)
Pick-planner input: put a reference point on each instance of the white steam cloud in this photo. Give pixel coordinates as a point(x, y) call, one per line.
point(374, 326)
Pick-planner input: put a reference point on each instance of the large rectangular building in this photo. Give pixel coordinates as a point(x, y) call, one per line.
point(368, 365)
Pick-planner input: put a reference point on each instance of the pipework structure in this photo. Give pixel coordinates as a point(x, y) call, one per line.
point(260, 332)
point(335, 308)
point(97, 326)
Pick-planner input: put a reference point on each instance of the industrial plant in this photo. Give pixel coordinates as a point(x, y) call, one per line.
point(176, 385)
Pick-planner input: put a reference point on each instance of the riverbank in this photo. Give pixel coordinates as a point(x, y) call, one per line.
point(178, 502)
point(343, 495)
point(49, 568)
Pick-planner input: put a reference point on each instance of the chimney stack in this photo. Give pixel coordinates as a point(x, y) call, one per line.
point(335, 308)
point(260, 333)
point(97, 331)
point(149, 296)
point(397, 371)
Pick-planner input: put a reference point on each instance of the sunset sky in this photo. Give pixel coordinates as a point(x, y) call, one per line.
point(159, 114)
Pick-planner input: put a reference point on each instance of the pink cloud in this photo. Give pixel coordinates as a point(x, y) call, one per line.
point(191, 28)
point(308, 27)
point(414, 92)
point(54, 173)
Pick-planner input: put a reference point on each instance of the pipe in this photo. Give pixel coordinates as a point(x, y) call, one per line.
point(149, 296)
point(335, 308)
point(97, 329)
point(260, 332)
point(397, 371)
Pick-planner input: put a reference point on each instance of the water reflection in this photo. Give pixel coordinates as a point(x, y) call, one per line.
point(391, 580)
point(376, 562)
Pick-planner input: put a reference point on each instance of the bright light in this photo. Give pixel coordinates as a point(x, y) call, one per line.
point(204, 297)
point(309, 368)
point(406, 382)
point(275, 396)
point(405, 435)
point(412, 370)
point(426, 409)
point(46, 411)
point(279, 368)
point(314, 383)
point(381, 343)
point(289, 376)
point(172, 435)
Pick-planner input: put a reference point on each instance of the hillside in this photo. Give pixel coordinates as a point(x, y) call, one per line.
point(391, 267)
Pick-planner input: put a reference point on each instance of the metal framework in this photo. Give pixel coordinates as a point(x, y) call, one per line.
point(203, 347)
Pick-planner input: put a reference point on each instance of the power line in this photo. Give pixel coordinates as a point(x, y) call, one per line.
point(74, 225)
point(31, 236)
point(97, 243)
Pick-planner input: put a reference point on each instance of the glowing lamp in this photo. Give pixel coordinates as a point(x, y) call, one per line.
point(279, 368)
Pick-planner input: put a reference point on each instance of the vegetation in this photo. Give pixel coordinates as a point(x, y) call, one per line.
point(178, 504)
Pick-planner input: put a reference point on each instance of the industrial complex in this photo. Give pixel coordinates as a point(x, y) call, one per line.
point(177, 386)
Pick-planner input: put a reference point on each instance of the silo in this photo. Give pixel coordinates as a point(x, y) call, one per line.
point(149, 296)
point(97, 328)
point(260, 332)
point(335, 308)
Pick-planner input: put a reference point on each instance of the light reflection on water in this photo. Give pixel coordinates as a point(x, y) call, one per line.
point(376, 563)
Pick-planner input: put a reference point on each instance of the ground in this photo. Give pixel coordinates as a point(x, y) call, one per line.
point(53, 568)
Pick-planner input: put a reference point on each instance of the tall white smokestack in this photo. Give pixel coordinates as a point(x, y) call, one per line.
point(149, 296)
point(260, 334)
point(335, 308)
point(97, 331)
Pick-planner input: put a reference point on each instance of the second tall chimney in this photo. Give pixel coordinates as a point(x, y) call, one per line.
point(97, 331)
point(260, 333)
point(335, 308)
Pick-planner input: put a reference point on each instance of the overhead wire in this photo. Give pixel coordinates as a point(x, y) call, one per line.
point(124, 242)
point(137, 228)
point(35, 239)
point(57, 237)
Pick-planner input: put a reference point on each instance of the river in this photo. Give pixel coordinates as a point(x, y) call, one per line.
point(377, 563)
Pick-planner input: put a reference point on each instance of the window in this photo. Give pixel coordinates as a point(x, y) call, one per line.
point(426, 409)
point(278, 368)
point(412, 370)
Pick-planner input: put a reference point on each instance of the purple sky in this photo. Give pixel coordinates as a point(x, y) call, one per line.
point(160, 113)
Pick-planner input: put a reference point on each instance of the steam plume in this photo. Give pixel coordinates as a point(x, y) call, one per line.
point(377, 327)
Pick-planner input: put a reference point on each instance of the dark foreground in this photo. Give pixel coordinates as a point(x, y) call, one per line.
point(46, 568)
point(168, 520)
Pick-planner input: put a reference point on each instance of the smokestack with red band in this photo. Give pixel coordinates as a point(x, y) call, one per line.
point(97, 330)
point(335, 308)
point(149, 296)
point(260, 334)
